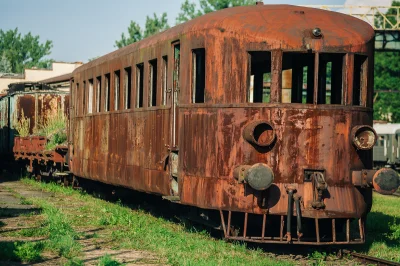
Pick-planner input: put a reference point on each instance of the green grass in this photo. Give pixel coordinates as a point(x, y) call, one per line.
point(136, 229)
point(25, 201)
point(61, 237)
point(383, 228)
point(28, 232)
point(21, 251)
point(107, 260)
point(177, 245)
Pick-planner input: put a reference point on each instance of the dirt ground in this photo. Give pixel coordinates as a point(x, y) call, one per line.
point(16, 215)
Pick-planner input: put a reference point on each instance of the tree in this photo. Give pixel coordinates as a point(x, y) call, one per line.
point(387, 77)
point(188, 9)
point(135, 33)
point(5, 65)
point(24, 51)
point(391, 15)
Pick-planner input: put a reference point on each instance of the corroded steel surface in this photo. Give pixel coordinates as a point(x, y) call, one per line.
point(34, 148)
point(133, 147)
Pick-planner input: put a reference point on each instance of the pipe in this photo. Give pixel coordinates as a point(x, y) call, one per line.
point(289, 215)
point(298, 215)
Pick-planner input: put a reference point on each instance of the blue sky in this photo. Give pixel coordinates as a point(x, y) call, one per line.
point(83, 29)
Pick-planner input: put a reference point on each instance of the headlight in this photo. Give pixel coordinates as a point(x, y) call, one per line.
point(260, 133)
point(363, 137)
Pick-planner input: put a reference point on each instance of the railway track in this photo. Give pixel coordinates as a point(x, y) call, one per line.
point(365, 259)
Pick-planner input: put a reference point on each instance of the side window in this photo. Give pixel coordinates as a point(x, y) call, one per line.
point(83, 110)
point(360, 78)
point(139, 85)
point(153, 82)
point(330, 79)
point(164, 80)
point(259, 89)
point(198, 75)
point(298, 78)
point(116, 89)
point(127, 87)
point(77, 99)
point(90, 97)
point(381, 141)
point(107, 97)
point(98, 94)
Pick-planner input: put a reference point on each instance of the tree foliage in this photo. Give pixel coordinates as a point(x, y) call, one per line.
point(188, 9)
point(135, 33)
point(23, 51)
point(391, 16)
point(5, 65)
point(387, 77)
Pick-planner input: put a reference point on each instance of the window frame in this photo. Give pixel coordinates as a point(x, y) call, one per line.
point(195, 75)
point(139, 103)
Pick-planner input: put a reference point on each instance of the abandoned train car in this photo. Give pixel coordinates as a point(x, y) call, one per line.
point(213, 113)
point(387, 147)
point(26, 106)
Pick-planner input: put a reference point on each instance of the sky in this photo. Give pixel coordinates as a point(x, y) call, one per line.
point(84, 29)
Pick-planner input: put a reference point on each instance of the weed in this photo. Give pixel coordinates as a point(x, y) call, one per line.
point(24, 201)
point(107, 260)
point(2, 224)
point(29, 251)
point(317, 256)
point(21, 251)
point(61, 235)
point(395, 228)
point(54, 129)
point(29, 232)
point(22, 125)
point(74, 262)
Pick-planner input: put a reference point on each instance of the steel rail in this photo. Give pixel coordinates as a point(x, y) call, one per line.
point(369, 259)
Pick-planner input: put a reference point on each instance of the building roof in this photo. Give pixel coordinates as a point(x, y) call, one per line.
point(389, 128)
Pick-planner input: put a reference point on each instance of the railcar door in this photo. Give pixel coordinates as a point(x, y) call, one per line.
point(175, 115)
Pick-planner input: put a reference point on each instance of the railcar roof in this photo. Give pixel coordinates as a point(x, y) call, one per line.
point(64, 77)
point(283, 26)
point(387, 128)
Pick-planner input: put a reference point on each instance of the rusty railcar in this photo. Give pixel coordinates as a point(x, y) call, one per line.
point(258, 113)
point(34, 101)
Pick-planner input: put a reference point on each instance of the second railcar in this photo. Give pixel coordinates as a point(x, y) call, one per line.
point(33, 101)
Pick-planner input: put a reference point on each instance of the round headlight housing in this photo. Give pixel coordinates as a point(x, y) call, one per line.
point(364, 137)
point(259, 133)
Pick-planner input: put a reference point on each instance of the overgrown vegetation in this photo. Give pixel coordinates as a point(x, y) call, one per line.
point(21, 251)
point(60, 237)
point(179, 244)
point(54, 129)
point(107, 260)
point(136, 229)
point(383, 227)
point(22, 125)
